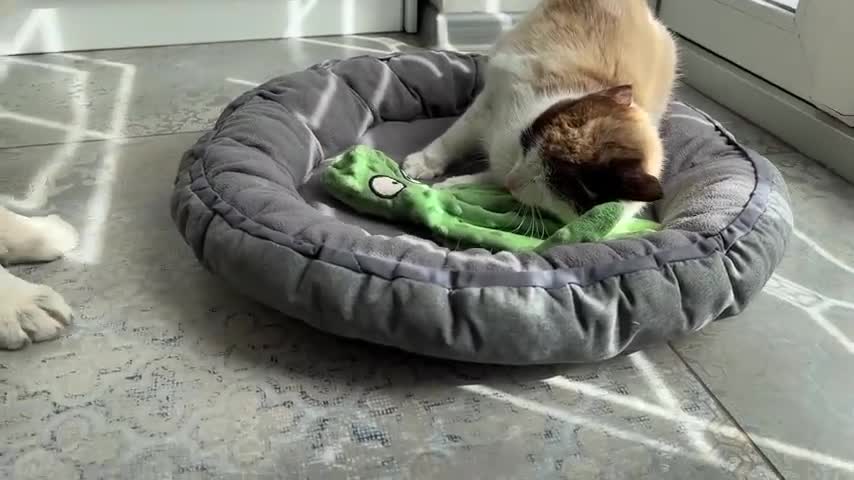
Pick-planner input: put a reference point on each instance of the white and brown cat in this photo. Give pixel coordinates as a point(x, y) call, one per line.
point(30, 312)
point(569, 113)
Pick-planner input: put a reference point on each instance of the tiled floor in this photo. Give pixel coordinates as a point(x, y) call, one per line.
point(167, 374)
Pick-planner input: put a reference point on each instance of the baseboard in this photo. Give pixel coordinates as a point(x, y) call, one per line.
point(465, 6)
point(464, 31)
point(803, 126)
point(473, 25)
point(99, 24)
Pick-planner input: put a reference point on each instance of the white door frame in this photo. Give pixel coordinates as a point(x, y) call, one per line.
point(410, 12)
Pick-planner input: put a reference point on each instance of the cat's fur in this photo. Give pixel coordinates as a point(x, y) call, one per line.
point(31, 312)
point(569, 113)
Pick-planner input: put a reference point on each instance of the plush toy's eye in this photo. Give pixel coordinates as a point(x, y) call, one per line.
point(386, 187)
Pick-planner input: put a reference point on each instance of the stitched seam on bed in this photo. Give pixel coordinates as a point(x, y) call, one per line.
point(484, 287)
point(726, 249)
point(409, 89)
point(358, 97)
point(754, 160)
point(721, 244)
point(247, 218)
point(202, 242)
point(217, 130)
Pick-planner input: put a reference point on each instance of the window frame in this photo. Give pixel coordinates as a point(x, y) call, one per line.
point(800, 52)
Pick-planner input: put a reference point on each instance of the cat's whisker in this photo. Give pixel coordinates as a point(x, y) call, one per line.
point(524, 223)
point(532, 223)
point(521, 218)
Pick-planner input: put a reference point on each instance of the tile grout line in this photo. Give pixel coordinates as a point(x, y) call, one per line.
point(96, 140)
point(726, 412)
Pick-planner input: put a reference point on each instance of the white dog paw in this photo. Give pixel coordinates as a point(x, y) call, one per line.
point(36, 239)
point(422, 166)
point(29, 312)
point(58, 237)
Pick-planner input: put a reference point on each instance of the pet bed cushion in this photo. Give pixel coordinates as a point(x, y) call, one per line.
point(250, 201)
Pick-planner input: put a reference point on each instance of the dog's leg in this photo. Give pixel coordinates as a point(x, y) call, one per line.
point(30, 312)
point(33, 240)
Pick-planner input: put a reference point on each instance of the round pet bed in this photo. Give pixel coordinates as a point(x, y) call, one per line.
point(249, 201)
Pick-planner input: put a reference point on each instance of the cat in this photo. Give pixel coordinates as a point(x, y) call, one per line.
point(570, 110)
point(30, 312)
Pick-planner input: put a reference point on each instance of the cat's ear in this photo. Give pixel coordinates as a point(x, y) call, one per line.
point(631, 182)
point(623, 95)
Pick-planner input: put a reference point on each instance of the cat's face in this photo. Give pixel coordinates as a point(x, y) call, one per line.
point(585, 152)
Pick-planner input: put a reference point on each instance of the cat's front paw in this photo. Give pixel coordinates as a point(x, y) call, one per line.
point(29, 312)
point(423, 166)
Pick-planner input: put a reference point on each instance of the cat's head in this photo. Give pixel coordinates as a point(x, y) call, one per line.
point(584, 152)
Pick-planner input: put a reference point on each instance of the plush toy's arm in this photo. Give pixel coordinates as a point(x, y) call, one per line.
point(471, 225)
point(603, 222)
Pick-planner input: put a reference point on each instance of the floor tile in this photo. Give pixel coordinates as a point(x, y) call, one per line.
point(149, 91)
point(168, 372)
point(746, 132)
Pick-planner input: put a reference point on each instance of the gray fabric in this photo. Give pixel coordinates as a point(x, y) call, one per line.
point(248, 202)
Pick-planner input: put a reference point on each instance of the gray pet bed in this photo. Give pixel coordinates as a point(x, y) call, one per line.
point(248, 201)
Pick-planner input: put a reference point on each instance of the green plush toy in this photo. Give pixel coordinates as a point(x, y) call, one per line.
point(476, 215)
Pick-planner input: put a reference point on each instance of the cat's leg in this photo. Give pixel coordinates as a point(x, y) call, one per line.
point(463, 138)
point(36, 239)
point(486, 178)
point(29, 312)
